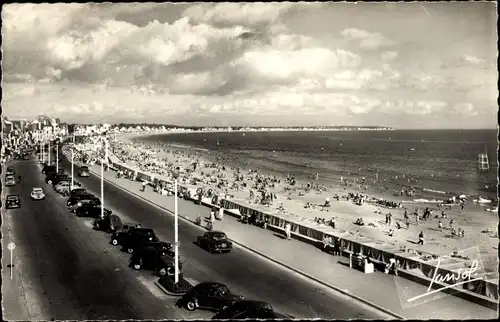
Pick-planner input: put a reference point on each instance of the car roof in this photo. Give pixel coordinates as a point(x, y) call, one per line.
point(10, 177)
point(12, 197)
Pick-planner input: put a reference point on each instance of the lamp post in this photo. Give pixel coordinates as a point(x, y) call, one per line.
point(57, 157)
point(48, 154)
point(176, 225)
point(102, 188)
point(72, 162)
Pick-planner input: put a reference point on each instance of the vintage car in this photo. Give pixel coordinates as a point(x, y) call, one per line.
point(91, 210)
point(208, 295)
point(215, 241)
point(10, 181)
point(155, 256)
point(84, 171)
point(248, 308)
point(107, 223)
point(12, 201)
point(10, 171)
point(37, 194)
point(136, 238)
point(118, 234)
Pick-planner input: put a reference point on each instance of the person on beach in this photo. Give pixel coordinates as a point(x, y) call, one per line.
point(421, 238)
point(440, 226)
point(288, 231)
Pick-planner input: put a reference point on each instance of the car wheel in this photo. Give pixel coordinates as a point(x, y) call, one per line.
point(130, 250)
point(162, 271)
point(224, 307)
point(114, 242)
point(49, 181)
point(191, 305)
point(137, 266)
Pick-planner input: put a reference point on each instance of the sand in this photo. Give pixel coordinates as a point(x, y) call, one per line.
point(473, 219)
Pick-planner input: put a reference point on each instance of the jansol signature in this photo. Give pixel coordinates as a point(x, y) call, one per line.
point(460, 277)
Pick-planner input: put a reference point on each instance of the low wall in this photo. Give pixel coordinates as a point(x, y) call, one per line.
point(411, 265)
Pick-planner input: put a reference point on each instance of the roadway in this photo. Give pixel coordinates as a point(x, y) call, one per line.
point(242, 271)
point(65, 270)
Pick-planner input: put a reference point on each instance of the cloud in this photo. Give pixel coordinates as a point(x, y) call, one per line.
point(230, 59)
point(365, 39)
point(389, 55)
point(245, 14)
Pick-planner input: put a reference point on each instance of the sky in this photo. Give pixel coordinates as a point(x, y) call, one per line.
point(405, 65)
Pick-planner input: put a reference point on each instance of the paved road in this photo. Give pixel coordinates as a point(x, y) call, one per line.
point(67, 271)
point(243, 272)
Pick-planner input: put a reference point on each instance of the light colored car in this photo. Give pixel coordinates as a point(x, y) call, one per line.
point(84, 172)
point(37, 194)
point(61, 186)
point(10, 181)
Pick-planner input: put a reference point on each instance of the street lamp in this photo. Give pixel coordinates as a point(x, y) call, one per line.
point(48, 154)
point(176, 225)
point(72, 162)
point(102, 188)
point(57, 157)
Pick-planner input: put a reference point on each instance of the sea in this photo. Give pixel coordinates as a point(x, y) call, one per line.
point(440, 162)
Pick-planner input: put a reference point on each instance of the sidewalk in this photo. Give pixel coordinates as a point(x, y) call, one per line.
point(377, 288)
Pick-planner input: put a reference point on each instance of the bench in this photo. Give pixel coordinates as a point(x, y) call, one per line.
point(360, 262)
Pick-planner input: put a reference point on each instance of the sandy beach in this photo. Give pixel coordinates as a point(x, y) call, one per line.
point(274, 194)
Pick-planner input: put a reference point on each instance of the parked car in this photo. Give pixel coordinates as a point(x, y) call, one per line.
point(60, 177)
point(117, 236)
point(84, 171)
point(136, 238)
point(248, 307)
point(10, 171)
point(47, 169)
point(91, 210)
point(73, 200)
point(37, 194)
point(63, 187)
point(208, 295)
point(107, 223)
point(78, 191)
point(12, 201)
point(156, 256)
point(262, 314)
point(215, 241)
point(10, 181)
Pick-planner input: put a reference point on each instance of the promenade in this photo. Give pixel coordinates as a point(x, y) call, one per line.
point(380, 289)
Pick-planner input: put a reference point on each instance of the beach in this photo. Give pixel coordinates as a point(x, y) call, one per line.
point(382, 212)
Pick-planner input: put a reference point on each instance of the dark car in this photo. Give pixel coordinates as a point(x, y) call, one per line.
point(156, 256)
point(78, 191)
point(10, 171)
point(108, 223)
point(77, 198)
point(117, 235)
point(12, 201)
point(208, 295)
point(136, 238)
point(261, 314)
point(49, 169)
point(91, 210)
point(60, 177)
point(215, 241)
point(241, 307)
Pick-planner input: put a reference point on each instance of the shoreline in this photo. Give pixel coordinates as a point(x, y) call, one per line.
point(425, 193)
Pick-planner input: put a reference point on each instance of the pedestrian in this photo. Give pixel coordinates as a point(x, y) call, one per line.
point(416, 219)
point(212, 217)
point(144, 184)
point(440, 226)
point(221, 213)
point(386, 219)
point(389, 218)
point(288, 231)
point(421, 238)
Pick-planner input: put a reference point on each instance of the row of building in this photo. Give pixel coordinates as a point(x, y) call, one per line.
point(42, 126)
